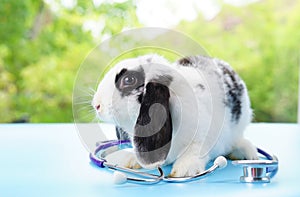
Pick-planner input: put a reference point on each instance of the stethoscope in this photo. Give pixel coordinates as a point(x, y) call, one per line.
point(254, 171)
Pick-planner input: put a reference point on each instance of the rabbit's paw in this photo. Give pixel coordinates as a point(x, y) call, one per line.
point(187, 166)
point(243, 149)
point(123, 158)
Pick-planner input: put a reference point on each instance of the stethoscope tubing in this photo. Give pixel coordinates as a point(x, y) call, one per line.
point(271, 165)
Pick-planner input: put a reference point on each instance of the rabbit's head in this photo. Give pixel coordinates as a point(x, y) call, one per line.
point(134, 95)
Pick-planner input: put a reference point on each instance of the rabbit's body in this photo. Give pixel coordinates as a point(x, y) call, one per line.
point(208, 109)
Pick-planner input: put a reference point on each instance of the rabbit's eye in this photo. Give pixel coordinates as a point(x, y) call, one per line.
point(129, 80)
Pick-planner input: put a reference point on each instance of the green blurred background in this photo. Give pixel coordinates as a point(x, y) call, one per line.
point(43, 43)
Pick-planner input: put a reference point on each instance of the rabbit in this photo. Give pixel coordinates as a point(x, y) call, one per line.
point(184, 113)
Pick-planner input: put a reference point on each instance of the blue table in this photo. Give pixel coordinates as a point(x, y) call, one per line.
point(50, 160)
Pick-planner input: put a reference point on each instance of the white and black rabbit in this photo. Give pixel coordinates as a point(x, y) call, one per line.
point(186, 113)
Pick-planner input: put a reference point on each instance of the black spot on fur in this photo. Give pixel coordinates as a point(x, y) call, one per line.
point(122, 134)
point(201, 86)
point(234, 93)
point(185, 61)
point(198, 61)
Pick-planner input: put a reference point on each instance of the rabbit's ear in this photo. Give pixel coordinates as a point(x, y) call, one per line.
point(153, 129)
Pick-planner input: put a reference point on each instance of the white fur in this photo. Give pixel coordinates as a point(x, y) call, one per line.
point(202, 125)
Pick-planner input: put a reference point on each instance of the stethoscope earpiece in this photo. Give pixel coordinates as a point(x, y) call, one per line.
point(254, 171)
point(221, 161)
point(119, 178)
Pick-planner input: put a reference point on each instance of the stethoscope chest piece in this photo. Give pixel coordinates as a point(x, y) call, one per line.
point(258, 171)
point(254, 175)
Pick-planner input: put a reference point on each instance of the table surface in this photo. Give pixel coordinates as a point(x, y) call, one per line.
point(50, 160)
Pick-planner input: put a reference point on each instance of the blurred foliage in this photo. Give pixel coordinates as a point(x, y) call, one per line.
point(42, 46)
point(262, 43)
